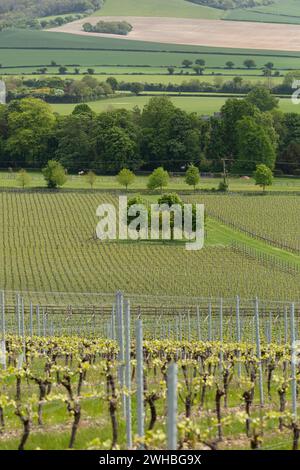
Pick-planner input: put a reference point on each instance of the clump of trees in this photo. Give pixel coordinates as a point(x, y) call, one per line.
point(57, 89)
point(108, 27)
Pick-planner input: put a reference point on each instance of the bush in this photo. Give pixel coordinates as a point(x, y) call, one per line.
point(54, 174)
point(223, 187)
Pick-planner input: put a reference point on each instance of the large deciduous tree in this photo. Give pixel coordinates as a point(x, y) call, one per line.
point(30, 123)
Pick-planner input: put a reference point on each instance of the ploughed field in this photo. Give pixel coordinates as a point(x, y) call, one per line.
point(199, 32)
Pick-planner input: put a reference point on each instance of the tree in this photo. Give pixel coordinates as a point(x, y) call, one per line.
point(113, 83)
point(198, 70)
point(187, 63)
point(62, 70)
point(254, 144)
point(171, 70)
point(158, 179)
point(192, 176)
point(73, 136)
point(263, 176)
point(232, 112)
point(30, 124)
point(23, 178)
point(83, 108)
point(54, 174)
point(250, 64)
point(230, 65)
point(200, 62)
point(91, 178)
point(269, 65)
point(125, 177)
point(137, 88)
point(115, 148)
point(90, 71)
point(262, 98)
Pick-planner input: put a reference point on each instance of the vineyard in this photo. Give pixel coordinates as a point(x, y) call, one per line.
point(273, 220)
point(49, 245)
point(221, 374)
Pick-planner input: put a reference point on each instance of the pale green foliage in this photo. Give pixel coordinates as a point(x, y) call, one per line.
point(23, 178)
point(192, 176)
point(158, 179)
point(54, 174)
point(125, 177)
point(91, 178)
point(263, 176)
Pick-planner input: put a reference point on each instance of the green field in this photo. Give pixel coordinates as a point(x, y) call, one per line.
point(282, 11)
point(200, 105)
point(21, 48)
point(168, 8)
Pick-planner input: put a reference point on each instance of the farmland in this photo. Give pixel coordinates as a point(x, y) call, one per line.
point(202, 32)
point(142, 344)
point(61, 254)
point(51, 423)
point(269, 219)
point(201, 105)
point(167, 8)
point(282, 11)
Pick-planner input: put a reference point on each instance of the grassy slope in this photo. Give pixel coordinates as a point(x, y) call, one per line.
point(283, 11)
point(159, 8)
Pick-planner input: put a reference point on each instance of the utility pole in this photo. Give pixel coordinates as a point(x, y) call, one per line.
point(225, 172)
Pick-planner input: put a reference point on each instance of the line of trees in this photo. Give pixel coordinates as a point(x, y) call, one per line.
point(246, 132)
point(231, 4)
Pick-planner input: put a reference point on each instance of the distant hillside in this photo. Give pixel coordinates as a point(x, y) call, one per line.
point(25, 13)
point(281, 11)
point(232, 4)
point(163, 8)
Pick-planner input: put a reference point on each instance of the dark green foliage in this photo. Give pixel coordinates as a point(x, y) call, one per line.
point(108, 27)
point(231, 4)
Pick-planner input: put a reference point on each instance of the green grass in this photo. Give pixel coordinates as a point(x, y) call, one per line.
point(9, 180)
point(201, 105)
point(159, 8)
point(282, 11)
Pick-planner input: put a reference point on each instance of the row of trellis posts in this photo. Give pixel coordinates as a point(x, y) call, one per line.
point(120, 329)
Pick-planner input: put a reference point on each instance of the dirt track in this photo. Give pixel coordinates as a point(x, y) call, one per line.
point(215, 33)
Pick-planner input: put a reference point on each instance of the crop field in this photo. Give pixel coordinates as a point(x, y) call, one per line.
point(202, 105)
point(22, 48)
point(48, 244)
point(275, 220)
point(198, 32)
point(282, 11)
